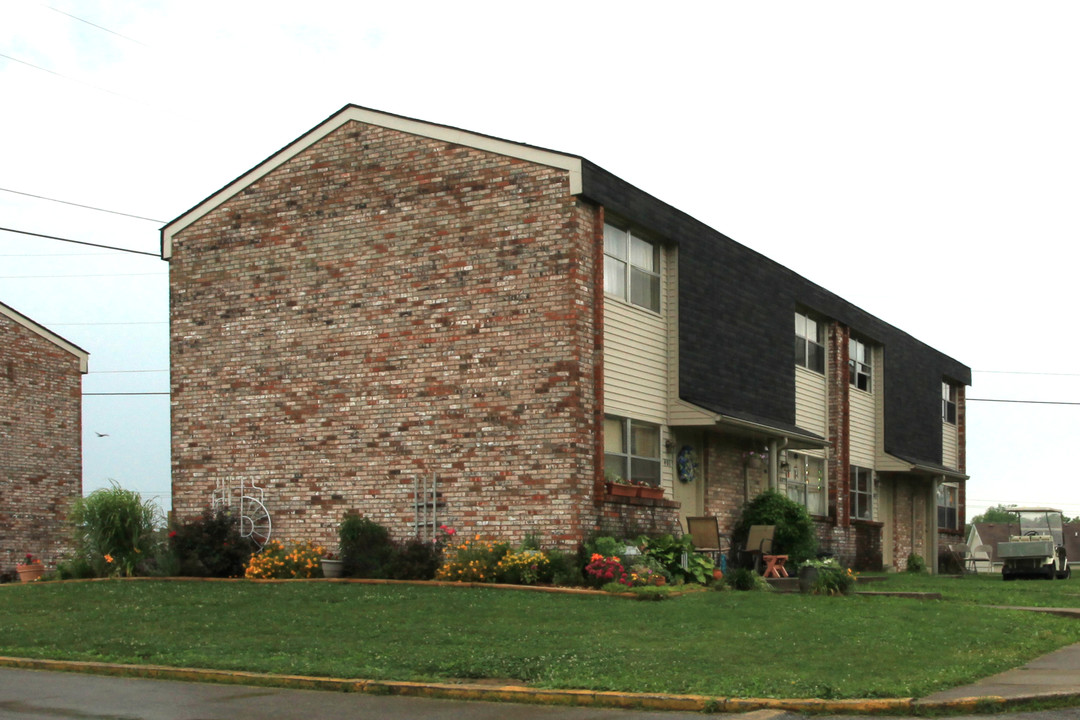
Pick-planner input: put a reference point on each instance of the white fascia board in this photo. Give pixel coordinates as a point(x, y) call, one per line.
point(82, 355)
point(352, 113)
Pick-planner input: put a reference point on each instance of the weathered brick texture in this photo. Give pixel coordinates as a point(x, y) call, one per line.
point(40, 445)
point(385, 306)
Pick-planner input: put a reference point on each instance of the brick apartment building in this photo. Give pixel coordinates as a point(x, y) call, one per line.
point(387, 301)
point(40, 439)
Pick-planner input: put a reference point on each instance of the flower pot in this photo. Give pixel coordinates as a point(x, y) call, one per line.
point(653, 493)
point(717, 574)
point(331, 568)
point(807, 578)
point(659, 580)
point(623, 490)
point(30, 573)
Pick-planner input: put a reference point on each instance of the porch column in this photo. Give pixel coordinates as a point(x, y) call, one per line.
point(774, 461)
point(932, 523)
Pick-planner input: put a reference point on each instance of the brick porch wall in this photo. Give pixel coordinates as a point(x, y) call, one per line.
point(383, 307)
point(40, 445)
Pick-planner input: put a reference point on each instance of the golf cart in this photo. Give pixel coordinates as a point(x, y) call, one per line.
point(1039, 550)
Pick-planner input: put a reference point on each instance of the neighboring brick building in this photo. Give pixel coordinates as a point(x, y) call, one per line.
point(40, 439)
point(386, 301)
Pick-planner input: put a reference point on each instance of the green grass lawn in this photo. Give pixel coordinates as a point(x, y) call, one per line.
point(989, 589)
point(714, 643)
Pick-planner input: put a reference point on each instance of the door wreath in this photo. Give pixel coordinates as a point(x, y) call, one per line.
point(686, 465)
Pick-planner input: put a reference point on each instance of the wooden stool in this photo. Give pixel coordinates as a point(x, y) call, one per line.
point(774, 566)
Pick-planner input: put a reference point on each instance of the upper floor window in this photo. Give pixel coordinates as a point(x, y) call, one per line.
point(631, 450)
point(948, 499)
point(862, 493)
point(948, 403)
point(809, 343)
point(859, 364)
point(631, 268)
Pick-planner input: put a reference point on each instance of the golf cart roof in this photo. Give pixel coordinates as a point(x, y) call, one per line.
point(1033, 510)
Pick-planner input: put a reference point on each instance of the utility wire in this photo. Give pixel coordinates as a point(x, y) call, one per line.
point(1024, 402)
point(1020, 372)
point(99, 27)
point(80, 242)
point(80, 205)
point(90, 275)
point(147, 322)
point(68, 77)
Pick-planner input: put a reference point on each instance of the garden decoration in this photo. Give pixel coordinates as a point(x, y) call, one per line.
point(248, 498)
point(686, 465)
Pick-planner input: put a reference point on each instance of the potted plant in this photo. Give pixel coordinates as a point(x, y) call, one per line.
point(331, 565)
point(31, 570)
point(652, 492)
point(620, 486)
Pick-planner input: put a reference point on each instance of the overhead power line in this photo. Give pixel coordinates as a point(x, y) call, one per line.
point(80, 242)
point(99, 27)
point(68, 77)
point(1021, 372)
point(1024, 402)
point(80, 205)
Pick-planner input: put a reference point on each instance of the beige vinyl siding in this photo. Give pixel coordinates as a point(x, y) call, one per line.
point(635, 363)
point(811, 408)
point(863, 428)
point(950, 456)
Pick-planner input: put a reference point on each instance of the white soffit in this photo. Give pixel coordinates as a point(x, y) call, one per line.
point(352, 113)
point(82, 355)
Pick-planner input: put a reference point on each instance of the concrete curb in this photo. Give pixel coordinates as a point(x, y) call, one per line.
point(521, 694)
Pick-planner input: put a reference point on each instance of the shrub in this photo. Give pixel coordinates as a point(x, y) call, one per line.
point(915, 563)
point(565, 567)
point(211, 546)
point(275, 561)
point(746, 579)
point(366, 548)
point(416, 560)
point(794, 534)
point(475, 560)
point(114, 531)
point(523, 567)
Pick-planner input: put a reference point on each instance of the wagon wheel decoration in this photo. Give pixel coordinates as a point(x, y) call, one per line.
point(254, 520)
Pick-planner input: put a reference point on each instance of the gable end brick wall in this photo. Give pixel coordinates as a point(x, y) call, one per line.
point(386, 307)
point(40, 445)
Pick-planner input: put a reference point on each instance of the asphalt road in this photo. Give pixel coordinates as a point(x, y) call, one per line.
point(40, 694)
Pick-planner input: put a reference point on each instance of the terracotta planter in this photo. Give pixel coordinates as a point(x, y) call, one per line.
point(653, 493)
point(622, 490)
point(30, 573)
point(331, 568)
point(717, 574)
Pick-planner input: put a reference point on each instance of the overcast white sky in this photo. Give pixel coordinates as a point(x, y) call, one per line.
point(917, 158)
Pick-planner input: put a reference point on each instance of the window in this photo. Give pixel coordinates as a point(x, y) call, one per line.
point(859, 364)
point(631, 268)
point(809, 343)
point(948, 403)
point(805, 482)
point(862, 493)
point(948, 496)
point(631, 450)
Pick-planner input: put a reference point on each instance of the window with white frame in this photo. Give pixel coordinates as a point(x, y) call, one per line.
point(631, 268)
point(809, 343)
point(859, 364)
point(631, 450)
point(948, 500)
point(948, 403)
point(804, 482)
point(862, 493)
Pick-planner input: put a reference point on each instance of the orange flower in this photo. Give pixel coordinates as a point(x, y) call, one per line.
point(108, 558)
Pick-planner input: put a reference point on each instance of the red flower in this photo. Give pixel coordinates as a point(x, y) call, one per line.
point(172, 533)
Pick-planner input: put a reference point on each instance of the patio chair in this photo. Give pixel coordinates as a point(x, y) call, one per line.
point(759, 543)
point(959, 552)
point(981, 554)
point(705, 532)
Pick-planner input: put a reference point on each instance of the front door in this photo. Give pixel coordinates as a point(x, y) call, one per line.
point(688, 484)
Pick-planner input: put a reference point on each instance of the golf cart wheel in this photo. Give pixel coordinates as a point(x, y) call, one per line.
point(1007, 576)
point(1065, 574)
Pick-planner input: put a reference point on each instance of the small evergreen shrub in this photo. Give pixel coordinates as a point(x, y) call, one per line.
point(366, 548)
point(915, 563)
point(565, 567)
point(210, 546)
point(416, 560)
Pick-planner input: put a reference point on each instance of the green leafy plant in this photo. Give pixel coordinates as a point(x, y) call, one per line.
point(794, 530)
point(565, 567)
point(605, 545)
point(366, 548)
point(416, 560)
point(114, 531)
point(832, 578)
point(746, 580)
point(669, 551)
point(210, 546)
point(915, 563)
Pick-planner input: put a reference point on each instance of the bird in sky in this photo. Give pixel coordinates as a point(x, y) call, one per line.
point(101, 434)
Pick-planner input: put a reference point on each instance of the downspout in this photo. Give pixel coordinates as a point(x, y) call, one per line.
point(932, 510)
